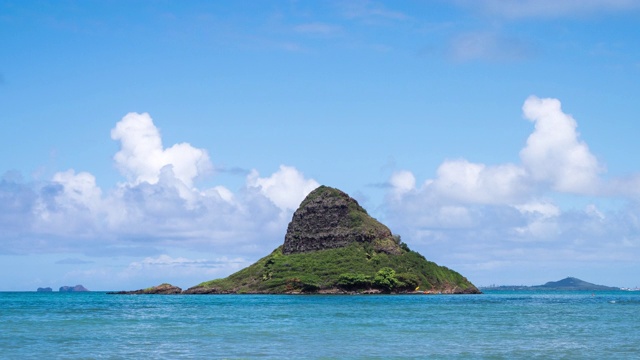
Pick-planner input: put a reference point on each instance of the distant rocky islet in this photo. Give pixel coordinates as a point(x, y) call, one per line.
point(65, 289)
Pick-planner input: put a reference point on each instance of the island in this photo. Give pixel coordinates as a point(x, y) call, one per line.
point(77, 288)
point(569, 283)
point(45, 289)
point(333, 246)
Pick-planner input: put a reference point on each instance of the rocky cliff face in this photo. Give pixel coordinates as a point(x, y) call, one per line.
point(328, 219)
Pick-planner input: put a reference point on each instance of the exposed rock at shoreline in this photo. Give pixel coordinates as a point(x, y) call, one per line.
point(162, 289)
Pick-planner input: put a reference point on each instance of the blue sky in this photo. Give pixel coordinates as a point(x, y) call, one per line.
point(170, 141)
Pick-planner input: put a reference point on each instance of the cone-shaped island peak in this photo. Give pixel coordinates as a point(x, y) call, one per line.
point(329, 218)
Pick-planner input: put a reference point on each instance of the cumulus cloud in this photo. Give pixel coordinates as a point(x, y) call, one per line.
point(159, 207)
point(402, 182)
point(468, 182)
point(286, 188)
point(142, 155)
point(470, 213)
point(78, 189)
point(554, 151)
point(554, 158)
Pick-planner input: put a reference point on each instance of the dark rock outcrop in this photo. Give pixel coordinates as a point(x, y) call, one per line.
point(329, 218)
point(77, 288)
point(162, 289)
point(199, 290)
point(46, 289)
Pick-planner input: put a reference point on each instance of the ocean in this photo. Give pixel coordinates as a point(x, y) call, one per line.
point(494, 325)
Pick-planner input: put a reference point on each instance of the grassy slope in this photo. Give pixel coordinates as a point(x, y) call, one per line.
point(309, 272)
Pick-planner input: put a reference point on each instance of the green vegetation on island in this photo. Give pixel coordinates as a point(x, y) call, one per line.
point(355, 268)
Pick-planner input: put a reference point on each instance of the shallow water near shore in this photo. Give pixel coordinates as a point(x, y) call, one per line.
point(497, 324)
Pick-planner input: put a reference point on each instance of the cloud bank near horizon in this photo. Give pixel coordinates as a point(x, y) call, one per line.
point(157, 206)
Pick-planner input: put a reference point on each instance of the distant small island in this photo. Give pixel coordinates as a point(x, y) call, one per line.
point(569, 283)
point(77, 288)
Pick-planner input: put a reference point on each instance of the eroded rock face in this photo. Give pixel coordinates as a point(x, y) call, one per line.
point(329, 218)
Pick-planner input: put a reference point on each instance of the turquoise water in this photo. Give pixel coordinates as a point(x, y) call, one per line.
point(493, 325)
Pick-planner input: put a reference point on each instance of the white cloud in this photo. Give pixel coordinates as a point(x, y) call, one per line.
point(402, 182)
point(142, 156)
point(72, 214)
point(286, 188)
point(554, 152)
point(554, 159)
point(463, 182)
point(158, 208)
point(69, 205)
point(79, 189)
point(544, 209)
point(468, 182)
point(524, 214)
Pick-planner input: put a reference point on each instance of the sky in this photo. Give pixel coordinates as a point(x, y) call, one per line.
point(145, 142)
